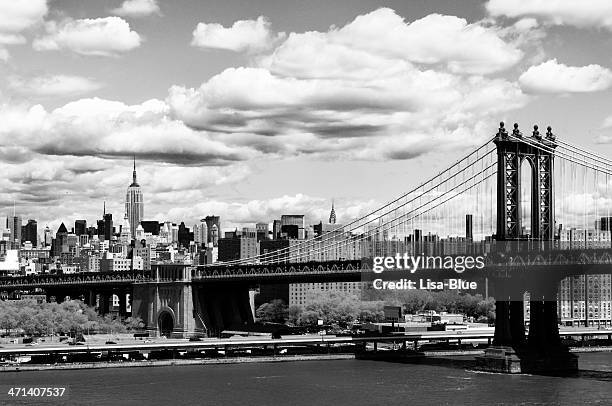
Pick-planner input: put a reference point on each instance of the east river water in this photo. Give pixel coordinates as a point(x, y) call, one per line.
point(341, 382)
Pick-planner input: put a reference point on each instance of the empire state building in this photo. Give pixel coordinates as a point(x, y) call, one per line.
point(134, 204)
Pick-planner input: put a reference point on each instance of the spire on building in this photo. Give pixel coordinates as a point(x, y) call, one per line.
point(126, 234)
point(134, 206)
point(134, 183)
point(62, 229)
point(332, 215)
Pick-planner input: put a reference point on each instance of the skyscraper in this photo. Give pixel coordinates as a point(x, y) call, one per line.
point(210, 222)
point(48, 237)
point(332, 215)
point(30, 233)
point(126, 230)
point(200, 233)
point(469, 227)
point(134, 205)
point(15, 224)
point(80, 227)
point(108, 226)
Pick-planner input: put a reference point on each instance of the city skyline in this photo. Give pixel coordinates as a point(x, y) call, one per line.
point(228, 110)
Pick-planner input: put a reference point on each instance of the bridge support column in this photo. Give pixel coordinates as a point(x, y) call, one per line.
point(542, 352)
point(167, 304)
point(104, 299)
point(90, 298)
point(502, 356)
point(122, 304)
point(517, 323)
point(537, 337)
point(503, 334)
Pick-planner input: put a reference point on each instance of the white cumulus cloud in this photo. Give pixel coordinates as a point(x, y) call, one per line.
point(137, 8)
point(106, 128)
point(243, 35)
point(101, 36)
point(377, 88)
point(554, 77)
point(587, 13)
point(433, 39)
point(17, 16)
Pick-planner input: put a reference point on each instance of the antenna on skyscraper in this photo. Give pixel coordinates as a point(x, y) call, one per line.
point(332, 215)
point(104, 209)
point(134, 173)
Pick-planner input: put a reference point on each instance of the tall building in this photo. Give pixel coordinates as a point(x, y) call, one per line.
point(200, 233)
point(60, 243)
point(108, 226)
point(214, 235)
point(585, 300)
point(332, 215)
point(15, 226)
point(80, 227)
point(469, 227)
point(30, 232)
point(184, 235)
point(292, 222)
point(126, 231)
point(151, 226)
point(604, 224)
point(276, 229)
point(302, 294)
point(47, 236)
point(238, 247)
point(134, 204)
point(262, 231)
point(210, 222)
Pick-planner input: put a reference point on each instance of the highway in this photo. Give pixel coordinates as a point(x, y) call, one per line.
point(260, 342)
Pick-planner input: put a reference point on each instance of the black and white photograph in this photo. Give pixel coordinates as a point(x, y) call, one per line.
point(291, 202)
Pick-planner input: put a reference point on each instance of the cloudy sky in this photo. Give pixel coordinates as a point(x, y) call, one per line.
point(253, 108)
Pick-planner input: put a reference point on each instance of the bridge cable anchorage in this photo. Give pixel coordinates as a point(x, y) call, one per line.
point(356, 223)
point(389, 223)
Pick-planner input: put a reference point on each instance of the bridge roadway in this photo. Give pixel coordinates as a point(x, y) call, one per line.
point(498, 264)
point(249, 342)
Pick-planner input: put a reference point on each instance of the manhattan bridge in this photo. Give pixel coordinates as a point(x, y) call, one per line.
point(533, 202)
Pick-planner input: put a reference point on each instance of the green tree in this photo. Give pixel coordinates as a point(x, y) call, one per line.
point(276, 311)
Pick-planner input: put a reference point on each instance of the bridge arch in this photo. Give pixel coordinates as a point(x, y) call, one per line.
point(166, 321)
point(528, 195)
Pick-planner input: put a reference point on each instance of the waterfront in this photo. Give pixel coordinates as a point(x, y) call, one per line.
point(344, 382)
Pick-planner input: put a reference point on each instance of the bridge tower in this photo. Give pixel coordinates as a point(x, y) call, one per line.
point(511, 351)
point(512, 151)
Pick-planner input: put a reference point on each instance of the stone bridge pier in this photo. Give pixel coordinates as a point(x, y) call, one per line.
point(173, 305)
point(541, 350)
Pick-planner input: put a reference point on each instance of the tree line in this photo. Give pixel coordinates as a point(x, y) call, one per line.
point(70, 317)
point(338, 307)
